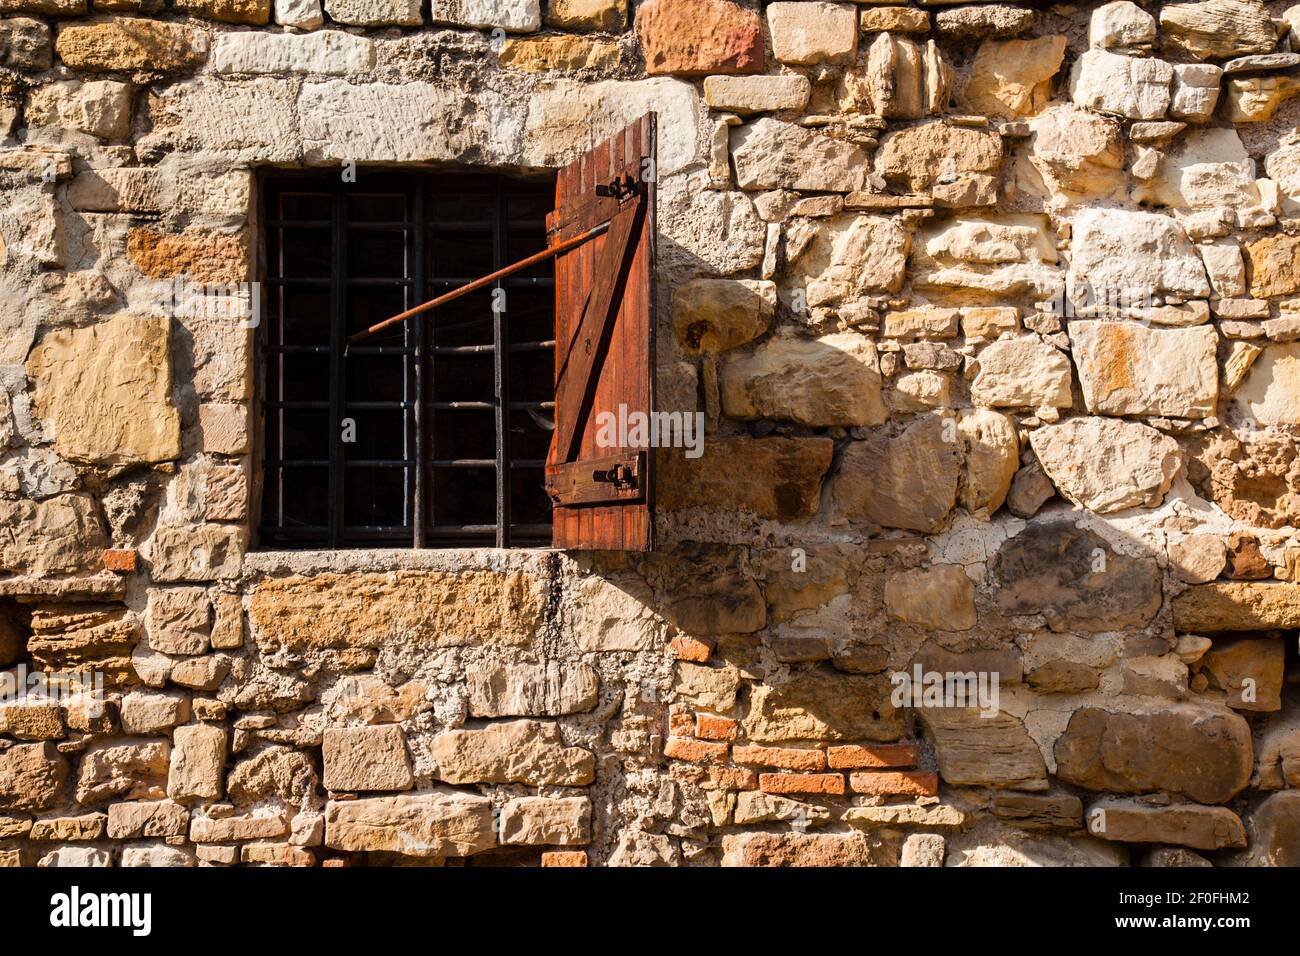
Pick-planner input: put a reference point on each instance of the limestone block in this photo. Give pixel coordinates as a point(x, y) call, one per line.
point(531, 690)
point(131, 43)
point(377, 13)
point(331, 52)
point(811, 31)
point(426, 608)
point(941, 597)
point(1132, 87)
point(1013, 78)
point(1107, 465)
point(1128, 369)
point(1022, 373)
point(1132, 256)
point(179, 620)
point(1269, 392)
point(771, 154)
point(713, 315)
point(428, 825)
point(904, 481)
point(1218, 29)
point(744, 95)
point(126, 771)
point(545, 821)
point(958, 165)
point(833, 380)
point(1204, 828)
point(516, 751)
point(32, 776)
point(1201, 752)
point(197, 763)
point(254, 12)
point(25, 44)
point(847, 256)
point(1121, 25)
point(698, 37)
point(300, 14)
point(366, 758)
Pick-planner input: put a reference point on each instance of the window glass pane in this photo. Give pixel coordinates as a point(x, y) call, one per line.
point(305, 377)
point(464, 496)
point(463, 321)
point(377, 254)
point(306, 496)
point(305, 205)
point(305, 434)
point(302, 253)
point(378, 378)
point(532, 314)
point(532, 375)
point(469, 204)
point(460, 253)
point(376, 207)
point(464, 378)
point(380, 435)
point(464, 433)
point(305, 316)
point(528, 501)
point(529, 438)
point(375, 496)
point(368, 305)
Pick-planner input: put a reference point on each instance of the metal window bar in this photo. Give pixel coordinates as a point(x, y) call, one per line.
point(422, 524)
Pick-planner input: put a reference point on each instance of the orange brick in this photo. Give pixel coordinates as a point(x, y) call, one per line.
point(714, 778)
point(801, 782)
point(696, 751)
point(861, 756)
point(784, 757)
point(690, 649)
point(713, 727)
point(120, 559)
point(913, 783)
point(335, 861)
point(681, 724)
point(564, 858)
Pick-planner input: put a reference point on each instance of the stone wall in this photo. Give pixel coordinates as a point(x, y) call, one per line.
point(992, 312)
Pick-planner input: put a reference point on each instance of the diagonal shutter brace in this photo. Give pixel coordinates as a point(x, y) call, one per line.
point(548, 253)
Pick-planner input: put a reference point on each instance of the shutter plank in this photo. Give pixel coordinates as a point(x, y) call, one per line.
point(589, 516)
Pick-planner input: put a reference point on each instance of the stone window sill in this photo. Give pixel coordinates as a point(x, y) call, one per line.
point(393, 559)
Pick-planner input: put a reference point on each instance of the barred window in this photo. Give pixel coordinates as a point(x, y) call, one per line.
point(435, 431)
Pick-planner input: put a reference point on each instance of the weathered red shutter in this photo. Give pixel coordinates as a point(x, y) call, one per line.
point(603, 497)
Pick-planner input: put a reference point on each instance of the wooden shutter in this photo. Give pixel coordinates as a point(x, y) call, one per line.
point(603, 497)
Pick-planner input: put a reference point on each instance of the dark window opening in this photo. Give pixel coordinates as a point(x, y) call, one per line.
point(15, 632)
point(433, 432)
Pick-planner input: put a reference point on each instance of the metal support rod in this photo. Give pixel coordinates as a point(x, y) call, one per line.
point(487, 280)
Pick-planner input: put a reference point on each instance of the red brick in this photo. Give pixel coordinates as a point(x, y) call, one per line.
point(564, 858)
point(914, 783)
point(696, 751)
point(801, 782)
point(122, 560)
point(784, 757)
point(690, 649)
point(861, 756)
point(681, 724)
point(713, 727)
point(698, 37)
